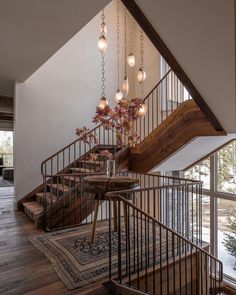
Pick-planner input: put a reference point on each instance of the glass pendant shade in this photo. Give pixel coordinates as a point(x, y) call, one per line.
point(118, 95)
point(102, 44)
point(142, 111)
point(125, 85)
point(141, 76)
point(103, 29)
point(131, 60)
point(103, 102)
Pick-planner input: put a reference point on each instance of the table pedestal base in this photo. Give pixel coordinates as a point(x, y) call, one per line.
point(94, 226)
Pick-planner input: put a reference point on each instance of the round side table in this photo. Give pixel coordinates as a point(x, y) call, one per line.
point(100, 185)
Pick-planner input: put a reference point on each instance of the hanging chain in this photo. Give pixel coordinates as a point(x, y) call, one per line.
point(142, 59)
point(131, 24)
point(103, 23)
point(125, 42)
point(141, 49)
point(118, 42)
point(103, 75)
point(103, 59)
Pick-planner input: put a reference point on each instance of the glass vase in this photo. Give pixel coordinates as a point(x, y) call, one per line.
point(110, 168)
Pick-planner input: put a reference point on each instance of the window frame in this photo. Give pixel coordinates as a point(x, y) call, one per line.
point(214, 195)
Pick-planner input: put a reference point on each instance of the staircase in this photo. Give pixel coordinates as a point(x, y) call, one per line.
point(165, 214)
point(60, 202)
point(172, 120)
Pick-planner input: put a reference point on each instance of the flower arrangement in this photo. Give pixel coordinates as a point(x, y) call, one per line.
point(120, 119)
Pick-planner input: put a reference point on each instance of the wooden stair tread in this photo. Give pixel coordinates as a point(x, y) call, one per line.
point(83, 170)
point(49, 197)
point(97, 163)
point(33, 209)
point(59, 186)
point(71, 178)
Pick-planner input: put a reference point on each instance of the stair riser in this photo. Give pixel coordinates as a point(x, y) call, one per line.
point(57, 192)
point(38, 221)
point(78, 171)
point(90, 166)
point(60, 192)
point(48, 201)
point(69, 182)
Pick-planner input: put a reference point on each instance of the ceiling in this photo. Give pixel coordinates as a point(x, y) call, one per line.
point(31, 31)
point(201, 36)
point(193, 152)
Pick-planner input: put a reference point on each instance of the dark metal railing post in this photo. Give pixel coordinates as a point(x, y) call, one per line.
point(119, 244)
point(110, 242)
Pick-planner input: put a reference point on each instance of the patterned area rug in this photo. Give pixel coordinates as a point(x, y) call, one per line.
point(77, 262)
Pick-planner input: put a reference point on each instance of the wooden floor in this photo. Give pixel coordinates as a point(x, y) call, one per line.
point(23, 269)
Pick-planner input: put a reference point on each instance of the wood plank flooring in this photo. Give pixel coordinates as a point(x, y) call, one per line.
point(23, 269)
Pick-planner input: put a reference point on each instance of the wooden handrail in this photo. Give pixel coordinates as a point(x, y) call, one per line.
point(155, 87)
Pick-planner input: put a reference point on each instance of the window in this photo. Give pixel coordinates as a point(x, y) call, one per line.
point(226, 168)
point(227, 235)
point(200, 171)
point(206, 218)
point(218, 173)
point(6, 148)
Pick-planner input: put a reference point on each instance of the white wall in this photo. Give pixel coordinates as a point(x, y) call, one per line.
point(201, 36)
point(59, 97)
point(63, 94)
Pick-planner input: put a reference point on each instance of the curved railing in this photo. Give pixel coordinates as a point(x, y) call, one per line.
point(161, 101)
point(69, 155)
point(149, 256)
point(58, 186)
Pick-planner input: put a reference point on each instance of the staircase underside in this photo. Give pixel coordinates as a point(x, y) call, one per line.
point(179, 128)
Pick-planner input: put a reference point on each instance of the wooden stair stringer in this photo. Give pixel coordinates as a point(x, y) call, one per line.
point(178, 129)
point(61, 215)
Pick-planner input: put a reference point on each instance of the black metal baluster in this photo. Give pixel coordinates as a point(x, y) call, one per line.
point(154, 256)
point(129, 248)
point(110, 240)
point(167, 263)
point(173, 256)
point(138, 254)
point(146, 255)
point(160, 249)
point(119, 244)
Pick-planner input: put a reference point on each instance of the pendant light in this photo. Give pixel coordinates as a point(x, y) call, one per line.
point(125, 84)
point(118, 94)
point(103, 101)
point(142, 111)
point(102, 42)
point(141, 75)
point(131, 60)
point(130, 57)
